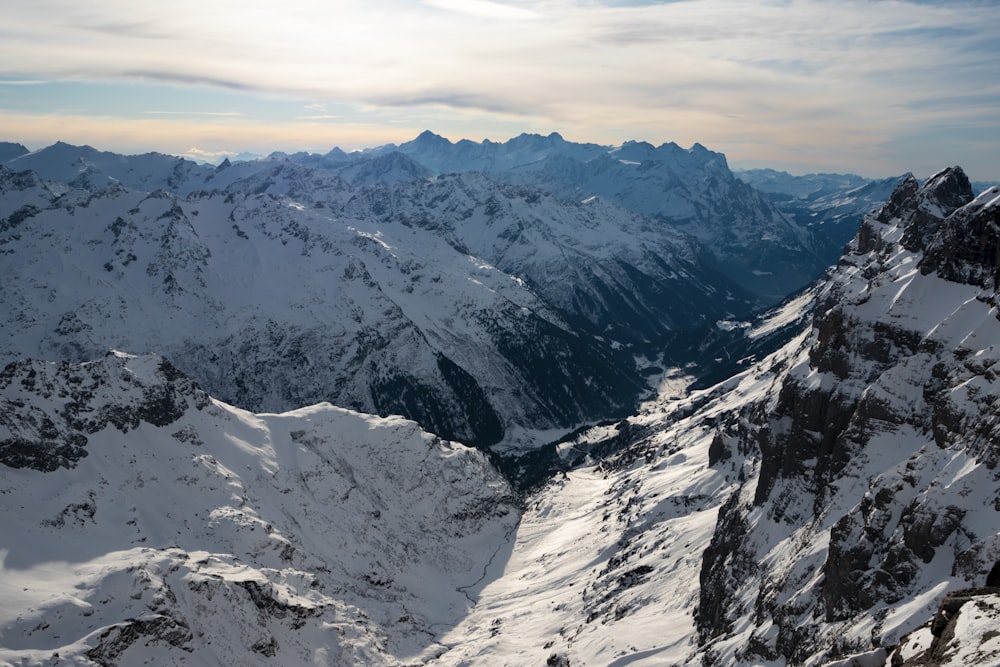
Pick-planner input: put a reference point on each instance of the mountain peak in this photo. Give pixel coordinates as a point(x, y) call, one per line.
point(10, 150)
point(922, 209)
point(966, 249)
point(429, 138)
point(949, 189)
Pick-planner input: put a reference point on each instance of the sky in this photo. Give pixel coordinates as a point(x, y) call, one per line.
point(871, 87)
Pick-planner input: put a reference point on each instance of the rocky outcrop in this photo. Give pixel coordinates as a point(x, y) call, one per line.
point(856, 454)
point(81, 400)
point(962, 632)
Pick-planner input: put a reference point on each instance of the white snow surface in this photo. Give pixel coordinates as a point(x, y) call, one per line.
point(315, 537)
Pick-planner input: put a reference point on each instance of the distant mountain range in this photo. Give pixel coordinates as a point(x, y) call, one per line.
point(689, 458)
point(494, 292)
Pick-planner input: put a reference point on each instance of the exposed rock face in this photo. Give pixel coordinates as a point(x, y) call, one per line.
point(876, 453)
point(273, 304)
point(963, 632)
point(48, 410)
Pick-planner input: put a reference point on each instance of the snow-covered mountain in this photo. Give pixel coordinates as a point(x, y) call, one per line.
point(833, 504)
point(273, 304)
point(873, 491)
point(146, 523)
point(488, 311)
point(647, 283)
point(814, 509)
point(85, 166)
point(692, 190)
point(828, 205)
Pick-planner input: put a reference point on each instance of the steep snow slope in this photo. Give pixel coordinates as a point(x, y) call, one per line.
point(272, 304)
point(814, 509)
point(606, 271)
point(146, 523)
point(875, 488)
point(604, 569)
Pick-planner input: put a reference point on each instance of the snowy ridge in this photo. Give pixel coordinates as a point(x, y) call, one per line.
point(272, 303)
point(813, 510)
point(204, 534)
point(692, 189)
point(863, 508)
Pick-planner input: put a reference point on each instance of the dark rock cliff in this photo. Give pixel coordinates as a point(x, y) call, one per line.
point(853, 480)
point(86, 399)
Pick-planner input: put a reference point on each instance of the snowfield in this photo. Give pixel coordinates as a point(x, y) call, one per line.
point(318, 536)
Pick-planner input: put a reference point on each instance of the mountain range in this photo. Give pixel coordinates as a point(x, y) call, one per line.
point(488, 305)
point(686, 478)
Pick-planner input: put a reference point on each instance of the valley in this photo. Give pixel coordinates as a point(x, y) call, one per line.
point(532, 402)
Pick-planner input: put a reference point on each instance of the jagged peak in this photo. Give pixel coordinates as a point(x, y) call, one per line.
point(949, 189)
point(537, 139)
point(428, 137)
point(921, 210)
point(899, 198)
point(966, 248)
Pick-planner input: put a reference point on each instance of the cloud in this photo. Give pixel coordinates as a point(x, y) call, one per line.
point(806, 77)
point(201, 155)
point(193, 113)
point(485, 9)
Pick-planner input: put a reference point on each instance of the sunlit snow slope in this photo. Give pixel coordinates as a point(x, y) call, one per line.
point(815, 508)
point(146, 523)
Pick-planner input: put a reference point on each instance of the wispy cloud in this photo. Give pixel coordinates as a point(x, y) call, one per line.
point(842, 82)
point(193, 113)
point(485, 9)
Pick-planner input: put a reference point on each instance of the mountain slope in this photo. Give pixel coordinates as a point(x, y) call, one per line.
point(273, 304)
point(606, 271)
point(868, 500)
point(692, 190)
point(180, 530)
point(814, 509)
point(828, 205)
